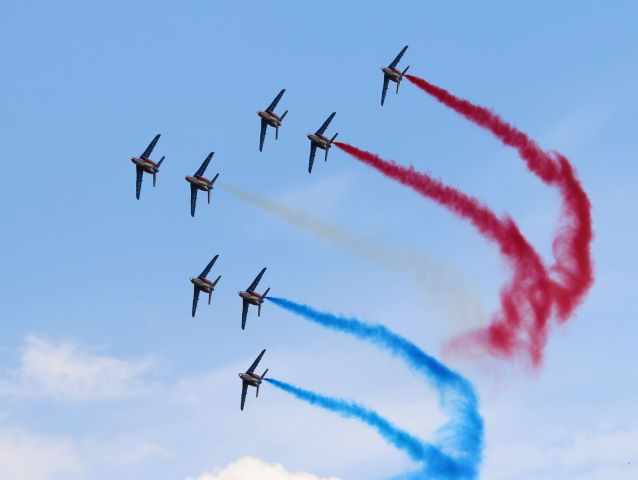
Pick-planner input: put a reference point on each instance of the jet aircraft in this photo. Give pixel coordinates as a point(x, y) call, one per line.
point(269, 117)
point(248, 378)
point(391, 72)
point(144, 164)
point(199, 182)
point(317, 140)
point(250, 297)
point(202, 284)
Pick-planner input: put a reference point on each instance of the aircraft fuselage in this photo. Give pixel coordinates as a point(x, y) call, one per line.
point(270, 118)
point(201, 183)
point(251, 379)
point(392, 73)
point(319, 140)
point(251, 297)
point(145, 164)
point(203, 284)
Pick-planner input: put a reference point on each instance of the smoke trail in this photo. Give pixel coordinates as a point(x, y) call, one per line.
point(441, 283)
point(415, 448)
point(571, 247)
point(526, 301)
point(461, 438)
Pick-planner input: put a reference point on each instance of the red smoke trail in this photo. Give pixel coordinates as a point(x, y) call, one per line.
point(526, 301)
point(571, 247)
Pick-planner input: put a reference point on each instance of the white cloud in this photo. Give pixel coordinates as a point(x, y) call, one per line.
point(602, 453)
point(249, 468)
point(63, 370)
point(125, 452)
point(25, 456)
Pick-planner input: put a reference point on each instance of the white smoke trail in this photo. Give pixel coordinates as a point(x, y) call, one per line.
point(442, 283)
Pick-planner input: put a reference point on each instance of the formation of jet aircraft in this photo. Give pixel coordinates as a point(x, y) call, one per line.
point(198, 182)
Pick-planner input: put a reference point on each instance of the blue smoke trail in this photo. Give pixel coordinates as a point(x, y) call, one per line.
point(415, 448)
point(461, 438)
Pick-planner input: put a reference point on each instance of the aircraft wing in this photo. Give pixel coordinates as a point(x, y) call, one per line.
point(262, 134)
point(244, 390)
point(195, 299)
point(251, 369)
point(200, 171)
point(244, 314)
point(323, 127)
point(193, 199)
point(311, 160)
point(398, 57)
point(151, 146)
point(386, 81)
point(138, 181)
point(274, 103)
point(252, 286)
point(208, 267)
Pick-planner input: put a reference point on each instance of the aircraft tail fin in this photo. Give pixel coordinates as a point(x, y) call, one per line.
point(215, 282)
point(210, 186)
point(210, 294)
point(281, 119)
point(264, 374)
point(325, 159)
point(156, 169)
point(257, 393)
point(212, 182)
point(263, 297)
point(406, 69)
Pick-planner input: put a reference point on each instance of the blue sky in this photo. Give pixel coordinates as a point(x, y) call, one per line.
point(105, 374)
